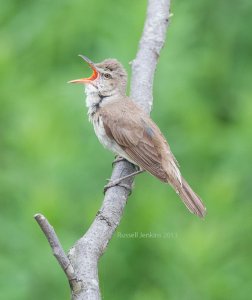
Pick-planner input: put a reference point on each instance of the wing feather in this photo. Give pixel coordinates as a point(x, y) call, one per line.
point(138, 136)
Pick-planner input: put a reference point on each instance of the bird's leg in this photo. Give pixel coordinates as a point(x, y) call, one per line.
point(118, 159)
point(119, 183)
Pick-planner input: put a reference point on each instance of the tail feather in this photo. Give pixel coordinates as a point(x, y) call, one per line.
point(191, 200)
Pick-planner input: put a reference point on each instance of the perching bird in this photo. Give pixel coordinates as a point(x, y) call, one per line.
point(125, 129)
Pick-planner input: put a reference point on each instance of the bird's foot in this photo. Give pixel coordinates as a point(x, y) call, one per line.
point(118, 159)
point(118, 182)
point(111, 184)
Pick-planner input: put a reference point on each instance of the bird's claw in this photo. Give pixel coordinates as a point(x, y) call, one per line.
point(111, 184)
point(118, 159)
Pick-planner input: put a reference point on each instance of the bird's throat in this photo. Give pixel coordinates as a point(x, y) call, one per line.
point(94, 100)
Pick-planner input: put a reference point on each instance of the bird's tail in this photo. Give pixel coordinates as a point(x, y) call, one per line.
point(190, 199)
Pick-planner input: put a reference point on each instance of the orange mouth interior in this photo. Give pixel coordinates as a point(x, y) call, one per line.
point(94, 75)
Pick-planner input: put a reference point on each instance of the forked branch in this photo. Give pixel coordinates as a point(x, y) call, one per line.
point(81, 263)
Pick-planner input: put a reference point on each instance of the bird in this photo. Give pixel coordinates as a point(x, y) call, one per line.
point(127, 130)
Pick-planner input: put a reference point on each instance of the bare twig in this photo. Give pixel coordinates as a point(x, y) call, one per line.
point(84, 255)
point(58, 251)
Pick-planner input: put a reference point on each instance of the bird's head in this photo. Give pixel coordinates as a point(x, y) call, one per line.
point(108, 78)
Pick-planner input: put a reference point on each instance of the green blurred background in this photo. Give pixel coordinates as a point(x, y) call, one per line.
point(51, 161)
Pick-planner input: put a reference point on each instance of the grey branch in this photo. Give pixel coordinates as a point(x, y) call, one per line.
point(84, 256)
point(58, 251)
point(151, 43)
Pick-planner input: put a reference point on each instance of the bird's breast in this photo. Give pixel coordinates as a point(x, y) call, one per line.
point(100, 131)
point(106, 141)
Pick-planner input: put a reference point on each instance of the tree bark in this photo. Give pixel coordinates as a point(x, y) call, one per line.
point(81, 263)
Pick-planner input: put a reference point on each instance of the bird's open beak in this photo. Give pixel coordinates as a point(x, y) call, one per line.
point(92, 77)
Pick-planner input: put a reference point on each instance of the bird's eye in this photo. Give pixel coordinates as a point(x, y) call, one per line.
point(107, 76)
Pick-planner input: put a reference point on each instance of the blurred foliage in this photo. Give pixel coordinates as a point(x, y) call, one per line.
point(51, 161)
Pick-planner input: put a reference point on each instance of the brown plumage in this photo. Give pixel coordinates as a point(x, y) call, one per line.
point(127, 130)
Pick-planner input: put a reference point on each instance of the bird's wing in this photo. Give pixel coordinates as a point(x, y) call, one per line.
point(140, 138)
point(144, 144)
